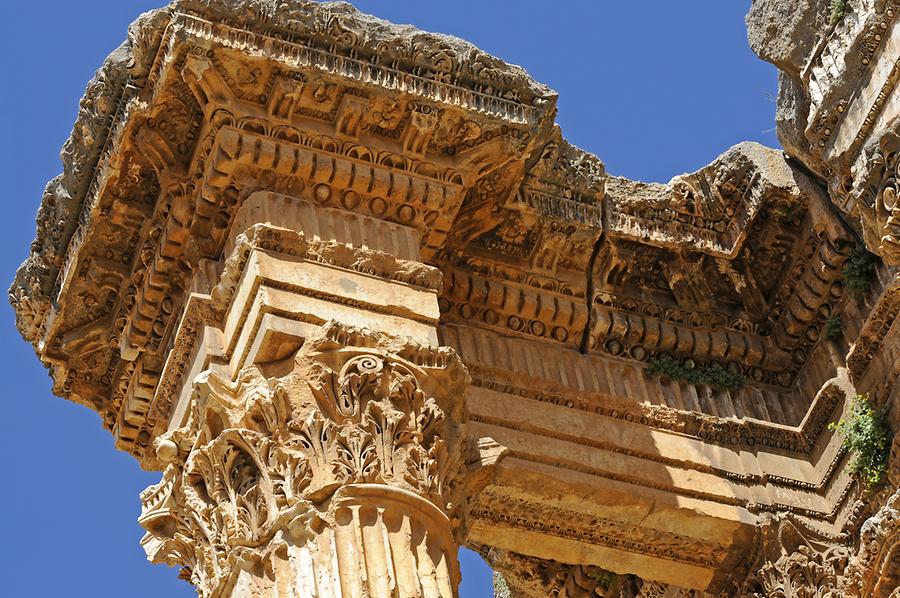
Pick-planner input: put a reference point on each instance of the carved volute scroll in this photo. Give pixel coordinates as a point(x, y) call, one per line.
point(287, 233)
point(360, 446)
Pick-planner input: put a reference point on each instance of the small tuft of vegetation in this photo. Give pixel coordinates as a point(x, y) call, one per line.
point(602, 577)
point(788, 213)
point(501, 588)
point(713, 375)
point(833, 328)
point(859, 271)
point(837, 11)
point(866, 435)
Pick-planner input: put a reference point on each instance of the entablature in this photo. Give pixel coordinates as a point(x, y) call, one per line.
point(242, 175)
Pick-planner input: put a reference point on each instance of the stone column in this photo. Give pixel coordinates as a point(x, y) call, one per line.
point(339, 478)
point(318, 446)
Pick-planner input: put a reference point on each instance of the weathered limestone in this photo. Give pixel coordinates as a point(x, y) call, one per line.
point(340, 478)
point(349, 288)
point(838, 102)
point(320, 458)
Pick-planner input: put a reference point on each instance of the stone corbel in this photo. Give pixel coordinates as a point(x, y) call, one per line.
point(209, 88)
point(351, 117)
point(418, 131)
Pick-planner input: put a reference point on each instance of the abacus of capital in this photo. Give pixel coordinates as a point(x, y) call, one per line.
point(346, 285)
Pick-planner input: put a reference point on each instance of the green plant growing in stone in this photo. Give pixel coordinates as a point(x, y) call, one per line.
point(867, 436)
point(788, 213)
point(859, 271)
point(837, 11)
point(602, 577)
point(713, 375)
point(833, 328)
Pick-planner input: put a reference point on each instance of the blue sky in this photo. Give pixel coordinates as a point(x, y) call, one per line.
point(654, 88)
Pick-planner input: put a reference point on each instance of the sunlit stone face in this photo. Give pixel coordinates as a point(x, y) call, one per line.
point(351, 290)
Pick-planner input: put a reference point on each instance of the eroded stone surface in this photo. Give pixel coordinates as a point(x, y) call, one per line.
point(361, 433)
point(838, 95)
point(349, 287)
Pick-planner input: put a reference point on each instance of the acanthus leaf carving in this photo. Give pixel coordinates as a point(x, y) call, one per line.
point(259, 458)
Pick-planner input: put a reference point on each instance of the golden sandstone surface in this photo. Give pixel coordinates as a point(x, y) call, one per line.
point(346, 284)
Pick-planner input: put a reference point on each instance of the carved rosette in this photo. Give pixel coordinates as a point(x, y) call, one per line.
point(343, 477)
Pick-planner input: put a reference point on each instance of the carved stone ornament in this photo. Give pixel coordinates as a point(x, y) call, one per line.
point(287, 232)
point(364, 435)
point(875, 568)
point(880, 205)
point(797, 561)
point(795, 565)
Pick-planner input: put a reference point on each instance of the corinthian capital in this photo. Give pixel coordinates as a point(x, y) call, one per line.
point(354, 444)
